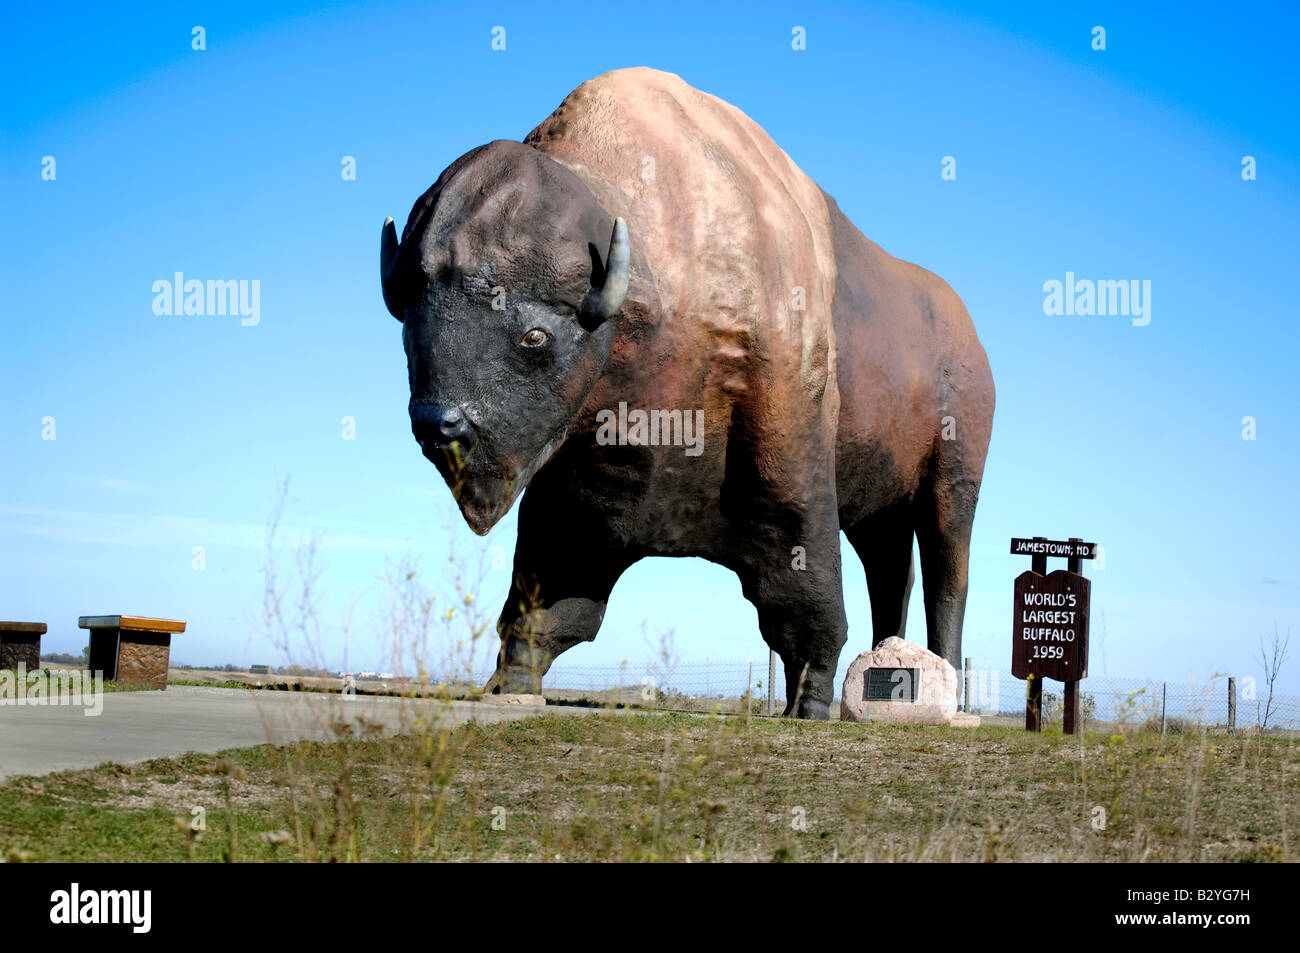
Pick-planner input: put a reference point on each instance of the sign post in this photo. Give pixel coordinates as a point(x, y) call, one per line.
point(1049, 628)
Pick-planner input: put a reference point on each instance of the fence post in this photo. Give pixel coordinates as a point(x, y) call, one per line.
point(771, 682)
point(966, 706)
point(1232, 704)
point(1070, 697)
point(749, 686)
point(1033, 703)
point(1164, 695)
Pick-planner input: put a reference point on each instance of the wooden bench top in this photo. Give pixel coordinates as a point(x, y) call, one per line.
point(132, 623)
point(37, 627)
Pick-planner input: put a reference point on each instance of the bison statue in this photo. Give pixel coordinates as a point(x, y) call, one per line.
point(650, 318)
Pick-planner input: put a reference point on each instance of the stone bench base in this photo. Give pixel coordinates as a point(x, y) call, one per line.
point(131, 650)
point(20, 644)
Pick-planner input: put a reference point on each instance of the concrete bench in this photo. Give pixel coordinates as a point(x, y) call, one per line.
point(130, 649)
point(20, 642)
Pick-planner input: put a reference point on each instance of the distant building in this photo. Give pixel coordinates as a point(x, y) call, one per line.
point(259, 669)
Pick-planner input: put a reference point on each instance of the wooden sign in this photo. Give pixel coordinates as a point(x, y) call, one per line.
point(1049, 626)
point(1069, 548)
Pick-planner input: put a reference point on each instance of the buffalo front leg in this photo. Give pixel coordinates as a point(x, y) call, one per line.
point(550, 609)
point(534, 633)
point(800, 605)
point(562, 580)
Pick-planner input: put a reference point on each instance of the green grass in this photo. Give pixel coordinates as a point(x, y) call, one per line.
point(680, 787)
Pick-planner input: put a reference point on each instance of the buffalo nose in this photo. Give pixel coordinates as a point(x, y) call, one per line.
point(439, 426)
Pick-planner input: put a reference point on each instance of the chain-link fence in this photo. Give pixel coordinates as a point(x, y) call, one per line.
point(1150, 703)
point(1144, 702)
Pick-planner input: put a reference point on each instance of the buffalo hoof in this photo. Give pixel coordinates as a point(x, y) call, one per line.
point(513, 681)
point(811, 710)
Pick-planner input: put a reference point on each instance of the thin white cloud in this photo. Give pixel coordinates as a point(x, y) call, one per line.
point(112, 483)
point(119, 529)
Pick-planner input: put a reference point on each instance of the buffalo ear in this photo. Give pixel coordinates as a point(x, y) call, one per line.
point(388, 276)
point(609, 290)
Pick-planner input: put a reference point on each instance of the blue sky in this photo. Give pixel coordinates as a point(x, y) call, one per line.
point(173, 431)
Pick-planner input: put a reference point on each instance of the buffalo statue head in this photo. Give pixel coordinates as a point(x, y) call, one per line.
point(508, 314)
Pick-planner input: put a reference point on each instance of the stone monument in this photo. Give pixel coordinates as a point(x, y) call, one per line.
point(900, 682)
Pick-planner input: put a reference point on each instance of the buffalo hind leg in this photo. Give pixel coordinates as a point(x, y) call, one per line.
point(883, 541)
point(945, 513)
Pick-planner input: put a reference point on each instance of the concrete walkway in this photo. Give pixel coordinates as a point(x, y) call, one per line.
point(138, 726)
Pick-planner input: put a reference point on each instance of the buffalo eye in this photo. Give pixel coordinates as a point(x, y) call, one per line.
point(535, 338)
